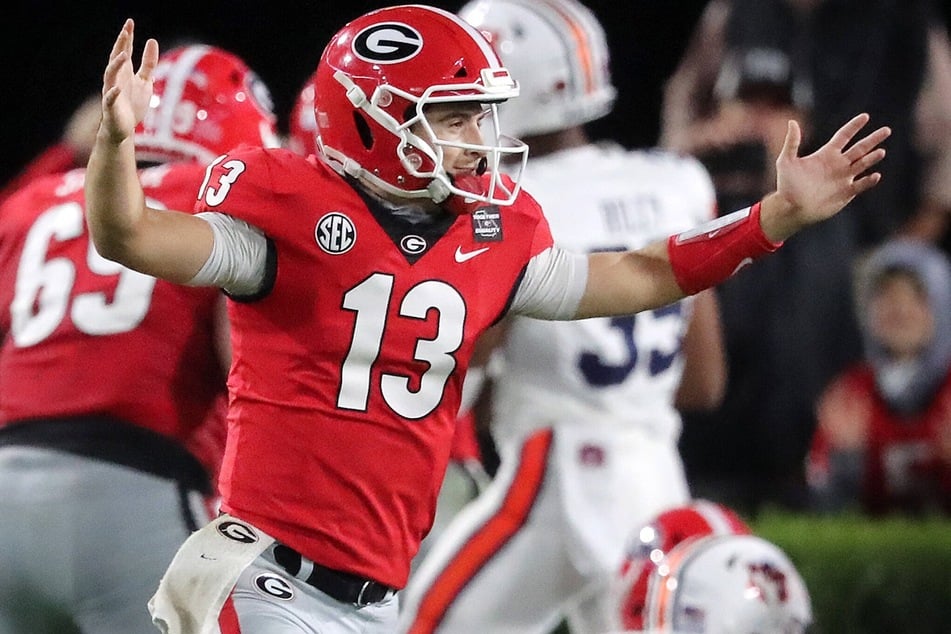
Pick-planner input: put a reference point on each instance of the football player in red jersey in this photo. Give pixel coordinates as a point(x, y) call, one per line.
point(112, 382)
point(465, 473)
point(359, 281)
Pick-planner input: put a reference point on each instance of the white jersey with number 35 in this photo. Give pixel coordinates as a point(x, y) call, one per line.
point(624, 369)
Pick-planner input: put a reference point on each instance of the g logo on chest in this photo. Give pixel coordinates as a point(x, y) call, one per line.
point(413, 244)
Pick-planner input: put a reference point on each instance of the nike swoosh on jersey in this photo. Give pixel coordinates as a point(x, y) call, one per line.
point(462, 256)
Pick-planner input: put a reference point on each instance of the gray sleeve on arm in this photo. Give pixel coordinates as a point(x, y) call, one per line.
point(238, 259)
point(552, 286)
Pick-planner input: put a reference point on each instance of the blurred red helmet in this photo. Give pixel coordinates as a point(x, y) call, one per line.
point(374, 82)
point(302, 127)
point(654, 540)
point(206, 101)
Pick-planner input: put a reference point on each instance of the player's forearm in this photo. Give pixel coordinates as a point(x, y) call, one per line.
point(115, 201)
point(686, 263)
point(627, 283)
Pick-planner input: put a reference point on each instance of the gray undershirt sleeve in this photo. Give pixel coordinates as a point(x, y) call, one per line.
point(552, 286)
point(238, 258)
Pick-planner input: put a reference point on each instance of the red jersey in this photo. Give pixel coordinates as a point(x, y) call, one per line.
point(347, 375)
point(84, 336)
point(907, 459)
point(55, 159)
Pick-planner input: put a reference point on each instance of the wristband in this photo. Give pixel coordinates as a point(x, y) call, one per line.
point(710, 253)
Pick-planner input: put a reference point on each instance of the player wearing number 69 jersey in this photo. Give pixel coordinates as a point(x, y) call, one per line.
point(112, 382)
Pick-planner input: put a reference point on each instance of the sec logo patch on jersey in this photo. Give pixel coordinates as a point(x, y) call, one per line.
point(335, 233)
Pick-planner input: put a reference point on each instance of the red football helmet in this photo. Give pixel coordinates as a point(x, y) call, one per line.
point(302, 126)
point(374, 81)
point(653, 541)
point(205, 101)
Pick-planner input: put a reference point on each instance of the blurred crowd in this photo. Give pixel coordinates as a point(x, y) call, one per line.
point(794, 325)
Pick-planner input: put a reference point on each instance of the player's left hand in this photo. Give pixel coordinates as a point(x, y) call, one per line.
point(812, 188)
point(126, 93)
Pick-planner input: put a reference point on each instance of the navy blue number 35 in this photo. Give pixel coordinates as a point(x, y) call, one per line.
point(601, 374)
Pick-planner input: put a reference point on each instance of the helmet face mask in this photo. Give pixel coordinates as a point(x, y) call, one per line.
point(375, 84)
point(205, 102)
point(423, 151)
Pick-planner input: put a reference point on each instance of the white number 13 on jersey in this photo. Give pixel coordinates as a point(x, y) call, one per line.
point(370, 300)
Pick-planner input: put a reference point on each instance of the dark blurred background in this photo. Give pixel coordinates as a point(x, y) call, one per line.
point(53, 54)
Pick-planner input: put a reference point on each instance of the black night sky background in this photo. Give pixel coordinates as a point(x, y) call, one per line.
point(53, 54)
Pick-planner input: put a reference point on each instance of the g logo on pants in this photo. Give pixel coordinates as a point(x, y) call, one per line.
point(273, 586)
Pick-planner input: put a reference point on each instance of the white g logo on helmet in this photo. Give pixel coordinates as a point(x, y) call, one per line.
point(388, 43)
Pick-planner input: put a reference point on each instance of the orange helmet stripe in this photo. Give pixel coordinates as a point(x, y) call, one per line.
point(582, 47)
point(662, 599)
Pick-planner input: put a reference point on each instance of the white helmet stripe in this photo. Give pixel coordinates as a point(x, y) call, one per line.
point(177, 76)
point(714, 516)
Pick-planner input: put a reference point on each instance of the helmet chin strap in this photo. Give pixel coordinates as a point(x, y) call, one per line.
point(438, 190)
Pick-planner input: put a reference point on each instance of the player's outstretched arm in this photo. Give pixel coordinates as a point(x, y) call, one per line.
point(162, 243)
point(809, 189)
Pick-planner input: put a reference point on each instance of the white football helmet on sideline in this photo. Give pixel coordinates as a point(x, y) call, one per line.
point(727, 584)
point(558, 53)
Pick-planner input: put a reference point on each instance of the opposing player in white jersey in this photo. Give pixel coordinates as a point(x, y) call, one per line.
point(601, 391)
